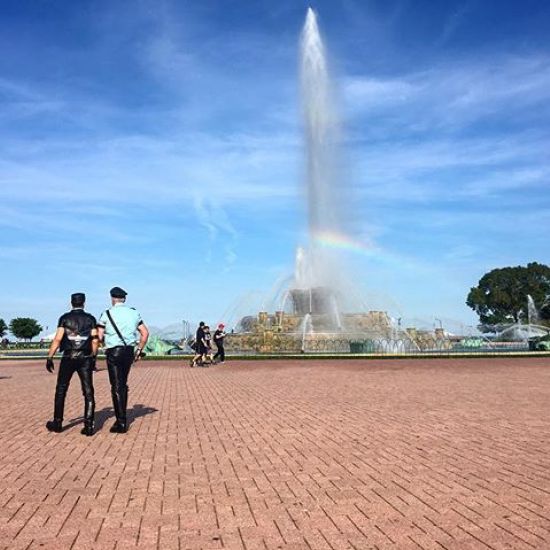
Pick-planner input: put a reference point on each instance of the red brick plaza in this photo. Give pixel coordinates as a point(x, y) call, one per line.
point(431, 454)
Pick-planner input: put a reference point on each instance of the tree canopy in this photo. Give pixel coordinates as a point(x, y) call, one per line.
point(25, 328)
point(501, 294)
point(3, 328)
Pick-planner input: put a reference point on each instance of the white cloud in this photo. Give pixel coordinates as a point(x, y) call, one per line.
point(161, 169)
point(221, 232)
point(453, 95)
point(362, 92)
point(470, 129)
point(448, 170)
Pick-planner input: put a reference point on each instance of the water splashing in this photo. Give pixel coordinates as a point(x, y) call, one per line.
point(532, 312)
point(307, 328)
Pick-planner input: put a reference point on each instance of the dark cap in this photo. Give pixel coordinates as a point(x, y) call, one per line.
point(79, 297)
point(117, 292)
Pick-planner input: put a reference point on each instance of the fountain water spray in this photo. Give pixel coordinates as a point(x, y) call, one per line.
point(532, 312)
point(318, 270)
point(305, 328)
point(322, 128)
point(321, 310)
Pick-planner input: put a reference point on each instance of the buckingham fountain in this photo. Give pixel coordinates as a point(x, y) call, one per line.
point(318, 311)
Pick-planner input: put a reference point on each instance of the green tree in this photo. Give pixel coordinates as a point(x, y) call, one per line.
point(3, 328)
point(501, 294)
point(25, 328)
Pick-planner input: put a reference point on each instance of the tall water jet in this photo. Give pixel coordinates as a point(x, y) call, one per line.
point(317, 268)
point(321, 127)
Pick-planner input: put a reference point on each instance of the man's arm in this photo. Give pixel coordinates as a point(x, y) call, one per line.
point(95, 341)
point(101, 328)
point(56, 342)
point(54, 346)
point(100, 334)
point(143, 337)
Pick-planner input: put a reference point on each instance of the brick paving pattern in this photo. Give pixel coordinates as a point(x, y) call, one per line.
point(406, 454)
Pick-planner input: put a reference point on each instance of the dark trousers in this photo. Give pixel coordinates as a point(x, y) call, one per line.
point(119, 362)
point(220, 353)
point(67, 367)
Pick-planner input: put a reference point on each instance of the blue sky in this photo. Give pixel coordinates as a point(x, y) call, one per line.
point(157, 146)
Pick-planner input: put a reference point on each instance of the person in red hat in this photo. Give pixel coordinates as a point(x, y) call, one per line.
point(219, 335)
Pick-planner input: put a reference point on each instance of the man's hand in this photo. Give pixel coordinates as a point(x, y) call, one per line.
point(138, 354)
point(49, 364)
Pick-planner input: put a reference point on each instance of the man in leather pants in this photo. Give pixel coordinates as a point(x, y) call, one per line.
point(118, 327)
point(76, 336)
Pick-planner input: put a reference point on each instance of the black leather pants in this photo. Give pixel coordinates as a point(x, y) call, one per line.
point(119, 362)
point(67, 367)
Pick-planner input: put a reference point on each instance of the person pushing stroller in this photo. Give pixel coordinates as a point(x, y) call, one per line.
point(200, 346)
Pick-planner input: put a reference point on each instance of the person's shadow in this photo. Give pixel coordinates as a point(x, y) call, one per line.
point(103, 415)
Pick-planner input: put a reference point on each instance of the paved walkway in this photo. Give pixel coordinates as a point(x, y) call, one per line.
point(446, 454)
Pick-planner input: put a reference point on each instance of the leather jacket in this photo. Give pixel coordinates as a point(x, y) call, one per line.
point(77, 339)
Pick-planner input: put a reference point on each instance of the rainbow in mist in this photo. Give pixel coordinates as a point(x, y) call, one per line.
point(341, 241)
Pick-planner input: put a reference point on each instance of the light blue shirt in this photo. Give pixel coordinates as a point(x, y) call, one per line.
point(127, 320)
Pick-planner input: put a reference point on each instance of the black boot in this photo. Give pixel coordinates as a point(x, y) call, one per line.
point(124, 404)
point(54, 425)
point(89, 408)
point(59, 403)
point(119, 404)
point(119, 427)
point(122, 422)
point(88, 429)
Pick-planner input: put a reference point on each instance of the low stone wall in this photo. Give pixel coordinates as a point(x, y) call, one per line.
point(369, 332)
